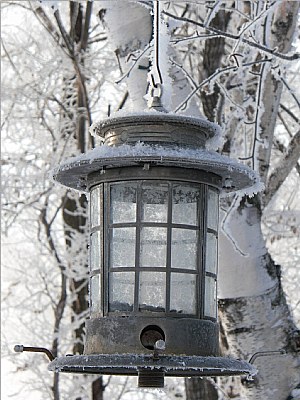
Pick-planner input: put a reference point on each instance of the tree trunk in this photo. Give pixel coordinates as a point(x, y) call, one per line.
point(98, 389)
point(200, 388)
point(254, 314)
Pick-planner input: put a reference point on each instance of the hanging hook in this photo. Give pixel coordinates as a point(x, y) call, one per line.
point(156, 80)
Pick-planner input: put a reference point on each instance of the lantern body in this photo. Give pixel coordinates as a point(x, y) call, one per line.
point(153, 260)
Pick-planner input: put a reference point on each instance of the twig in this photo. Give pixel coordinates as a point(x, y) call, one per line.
point(235, 203)
point(127, 73)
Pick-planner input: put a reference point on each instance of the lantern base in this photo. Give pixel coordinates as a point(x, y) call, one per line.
point(150, 365)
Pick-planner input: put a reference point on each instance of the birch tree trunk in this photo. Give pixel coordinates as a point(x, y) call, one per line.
point(253, 310)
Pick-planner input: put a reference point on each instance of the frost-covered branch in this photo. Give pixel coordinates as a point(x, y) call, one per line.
point(212, 78)
point(284, 168)
point(228, 35)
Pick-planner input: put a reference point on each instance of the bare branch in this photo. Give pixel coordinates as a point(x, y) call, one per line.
point(46, 22)
point(85, 31)
point(288, 111)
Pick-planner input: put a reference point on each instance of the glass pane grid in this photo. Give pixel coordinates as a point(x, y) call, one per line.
point(163, 244)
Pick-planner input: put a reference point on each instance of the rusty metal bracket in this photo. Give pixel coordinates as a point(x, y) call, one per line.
point(265, 354)
point(19, 348)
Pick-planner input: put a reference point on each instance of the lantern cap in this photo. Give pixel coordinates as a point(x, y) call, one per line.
point(157, 126)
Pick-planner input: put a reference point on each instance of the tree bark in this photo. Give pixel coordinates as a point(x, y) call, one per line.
point(253, 309)
point(98, 389)
point(200, 388)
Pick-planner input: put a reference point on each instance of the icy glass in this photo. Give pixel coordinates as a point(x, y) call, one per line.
point(185, 205)
point(211, 253)
point(152, 291)
point(121, 291)
point(210, 305)
point(155, 202)
point(153, 247)
point(95, 260)
point(183, 293)
point(184, 248)
point(95, 214)
point(122, 247)
point(95, 295)
point(123, 202)
point(212, 209)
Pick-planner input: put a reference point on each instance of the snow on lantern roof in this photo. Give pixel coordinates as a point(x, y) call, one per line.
point(73, 173)
point(158, 139)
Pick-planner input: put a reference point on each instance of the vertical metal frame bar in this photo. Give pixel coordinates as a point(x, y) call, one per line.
point(169, 244)
point(202, 231)
point(90, 258)
point(97, 228)
point(213, 275)
point(101, 206)
point(138, 228)
point(106, 249)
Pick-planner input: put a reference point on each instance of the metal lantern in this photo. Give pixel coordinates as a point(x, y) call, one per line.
point(154, 205)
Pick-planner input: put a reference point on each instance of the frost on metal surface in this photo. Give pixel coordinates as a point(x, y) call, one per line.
point(215, 136)
point(131, 364)
point(236, 176)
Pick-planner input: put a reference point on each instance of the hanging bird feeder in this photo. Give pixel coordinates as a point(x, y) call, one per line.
point(153, 248)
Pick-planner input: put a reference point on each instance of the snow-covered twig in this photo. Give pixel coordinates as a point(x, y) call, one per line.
point(127, 73)
point(234, 205)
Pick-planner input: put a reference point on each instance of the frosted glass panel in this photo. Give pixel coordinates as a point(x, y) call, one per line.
point(185, 205)
point(184, 248)
point(152, 293)
point(183, 293)
point(96, 197)
point(210, 306)
point(95, 295)
point(155, 202)
point(121, 291)
point(153, 247)
point(212, 209)
point(211, 253)
point(122, 247)
point(123, 202)
point(95, 259)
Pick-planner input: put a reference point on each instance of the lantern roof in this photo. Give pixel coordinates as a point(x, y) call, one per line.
point(158, 139)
